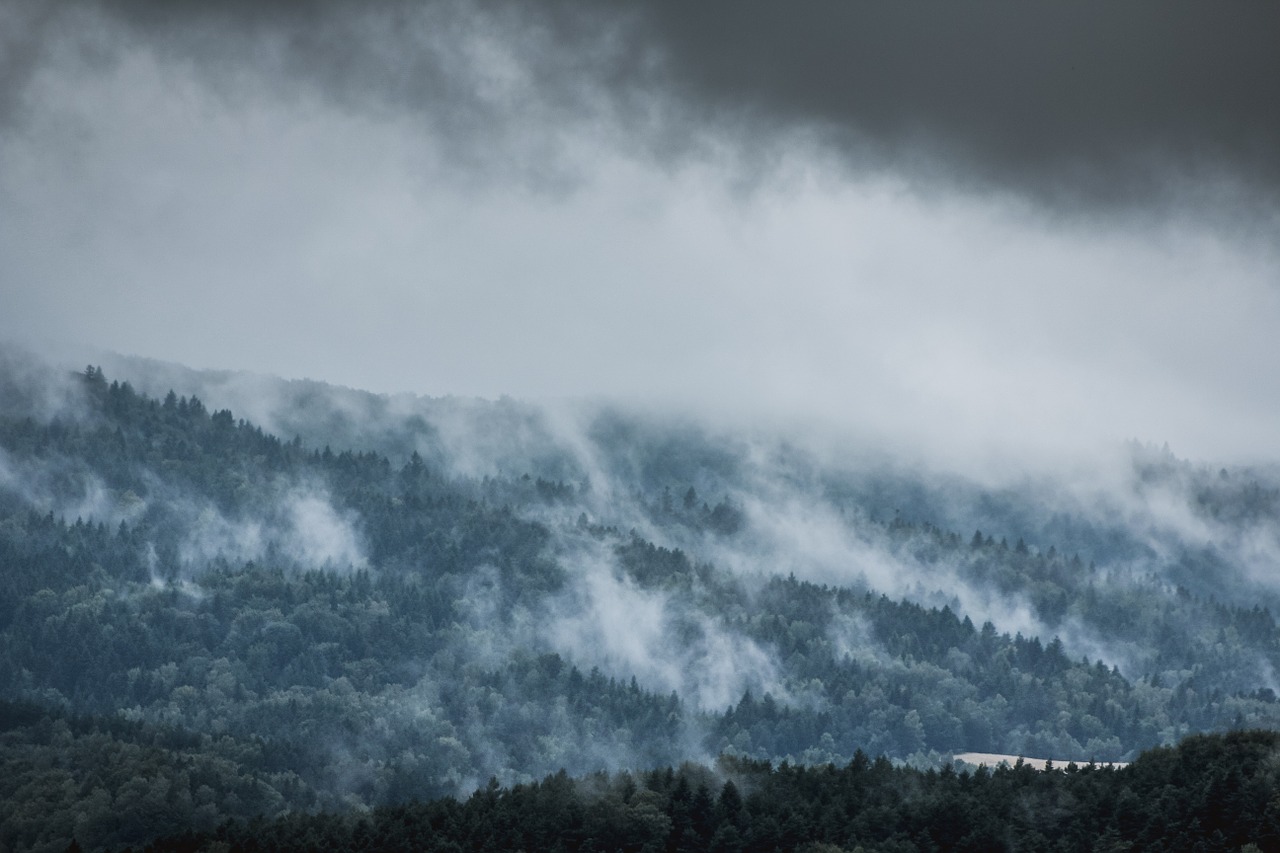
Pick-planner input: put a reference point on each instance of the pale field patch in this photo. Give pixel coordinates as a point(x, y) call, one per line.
point(995, 759)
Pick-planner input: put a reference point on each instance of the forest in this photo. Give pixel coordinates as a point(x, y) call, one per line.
point(491, 624)
point(1210, 793)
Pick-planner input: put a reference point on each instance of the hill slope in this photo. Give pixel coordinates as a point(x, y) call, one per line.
point(504, 590)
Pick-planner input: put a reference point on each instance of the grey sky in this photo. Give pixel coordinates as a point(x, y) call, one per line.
point(969, 228)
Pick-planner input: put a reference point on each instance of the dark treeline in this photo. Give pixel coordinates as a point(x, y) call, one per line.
point(1210, 793)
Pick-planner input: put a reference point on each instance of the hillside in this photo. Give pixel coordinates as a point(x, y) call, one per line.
point(203, 617)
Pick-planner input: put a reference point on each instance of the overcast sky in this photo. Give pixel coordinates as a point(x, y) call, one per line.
point(976, 228)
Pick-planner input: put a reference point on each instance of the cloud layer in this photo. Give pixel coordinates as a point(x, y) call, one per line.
point(972, 231)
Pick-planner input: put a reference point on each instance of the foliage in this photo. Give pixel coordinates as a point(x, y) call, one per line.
point(246, 625)
point(1211, 793)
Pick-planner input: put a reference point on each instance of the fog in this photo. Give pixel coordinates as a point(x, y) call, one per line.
point(302, 529)
point(995, 241)
point(1170, 541)
point(864, 277)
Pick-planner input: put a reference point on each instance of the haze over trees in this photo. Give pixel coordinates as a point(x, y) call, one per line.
point(202, 620)
point(889, 383)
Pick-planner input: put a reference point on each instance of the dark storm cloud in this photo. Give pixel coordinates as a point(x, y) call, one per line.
point(1114, 105)
point(490, 83)
point(359, 192)
point(23, 36)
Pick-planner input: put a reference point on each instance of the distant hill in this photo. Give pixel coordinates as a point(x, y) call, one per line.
point(351, 601)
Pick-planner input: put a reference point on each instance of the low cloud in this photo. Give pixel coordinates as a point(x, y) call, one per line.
point(992, 244)
point(303, 529)
point(607, 621)
point(56, 485)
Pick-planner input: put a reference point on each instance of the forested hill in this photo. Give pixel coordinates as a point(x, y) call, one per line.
point(203, 620)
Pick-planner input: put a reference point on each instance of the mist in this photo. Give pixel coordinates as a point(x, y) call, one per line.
point(424, 592)
point(953, 318)
point(990, 266)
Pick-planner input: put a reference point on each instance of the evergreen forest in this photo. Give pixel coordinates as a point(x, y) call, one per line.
point(326, 619)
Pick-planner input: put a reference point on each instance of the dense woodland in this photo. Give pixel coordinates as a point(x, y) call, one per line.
point(203, 621)
point(1211, 793)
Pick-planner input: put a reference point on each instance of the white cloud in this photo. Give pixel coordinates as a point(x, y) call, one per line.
point(303, 528)
point(152, 209)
